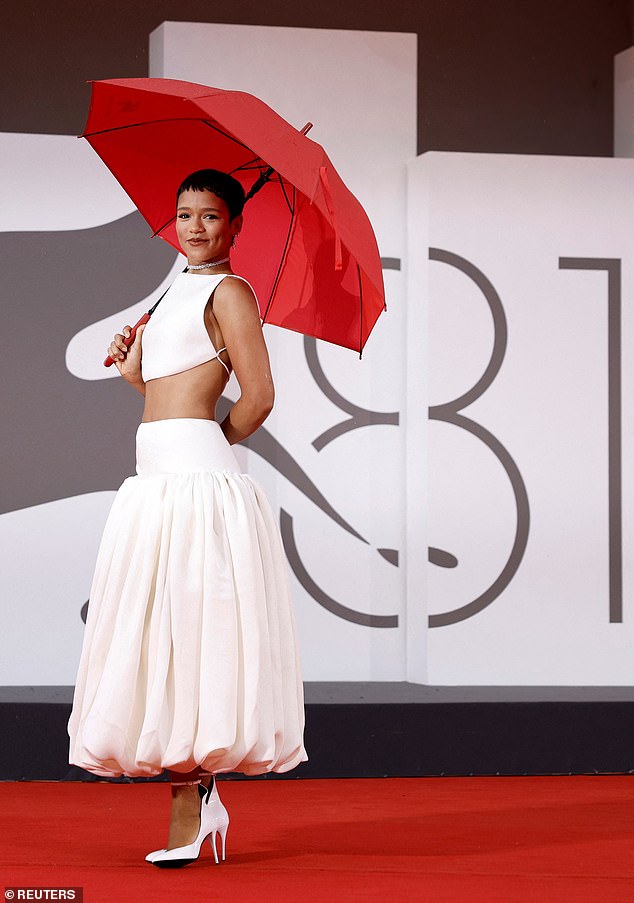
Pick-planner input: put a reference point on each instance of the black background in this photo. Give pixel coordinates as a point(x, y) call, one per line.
point(507, 76)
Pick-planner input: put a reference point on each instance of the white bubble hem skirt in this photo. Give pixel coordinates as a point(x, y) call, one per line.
point(190, 654)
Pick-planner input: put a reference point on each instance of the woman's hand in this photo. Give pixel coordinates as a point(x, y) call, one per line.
point(128, 360)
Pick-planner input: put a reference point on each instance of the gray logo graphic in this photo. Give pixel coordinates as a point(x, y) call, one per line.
point(450, 413)
point(613, 268)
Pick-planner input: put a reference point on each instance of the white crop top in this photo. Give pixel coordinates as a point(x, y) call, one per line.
point(175, 338)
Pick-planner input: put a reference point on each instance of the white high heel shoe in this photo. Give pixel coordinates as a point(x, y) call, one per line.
point(214, 819)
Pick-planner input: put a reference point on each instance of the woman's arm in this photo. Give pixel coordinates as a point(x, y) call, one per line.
point(128, 360)
point(238, 315)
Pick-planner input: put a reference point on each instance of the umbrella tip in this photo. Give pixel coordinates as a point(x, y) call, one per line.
point(306, 128)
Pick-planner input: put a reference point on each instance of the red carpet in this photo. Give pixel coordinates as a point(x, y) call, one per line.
point(462, 840)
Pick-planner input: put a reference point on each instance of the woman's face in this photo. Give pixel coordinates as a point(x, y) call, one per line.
point(204, 227)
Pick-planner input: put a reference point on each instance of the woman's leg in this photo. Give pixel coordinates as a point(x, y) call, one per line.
point(183, 778)
point(185, 811)
point(206, 778)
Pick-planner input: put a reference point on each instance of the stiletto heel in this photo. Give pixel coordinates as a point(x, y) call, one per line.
point(223, 837)
point(214, 819)
point(222, 830)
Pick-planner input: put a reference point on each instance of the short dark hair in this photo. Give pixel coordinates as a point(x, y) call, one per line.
point(220, 183)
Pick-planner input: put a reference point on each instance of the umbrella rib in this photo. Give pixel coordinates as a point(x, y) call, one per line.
point(136, 125)
point(282, 259)
point(250, 168)
point(226, 134)
point(284, 193)
point(164, 226)
point(250, 164)
point(360, 311)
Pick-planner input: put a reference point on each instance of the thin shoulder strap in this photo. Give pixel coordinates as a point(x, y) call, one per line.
point(217, 357)
point(220, 350)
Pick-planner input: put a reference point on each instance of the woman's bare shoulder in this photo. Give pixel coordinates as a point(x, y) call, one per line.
point(234, 289)
point(236, 307)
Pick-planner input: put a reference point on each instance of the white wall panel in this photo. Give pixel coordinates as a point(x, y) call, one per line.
point(502, 225)
point(48, 555)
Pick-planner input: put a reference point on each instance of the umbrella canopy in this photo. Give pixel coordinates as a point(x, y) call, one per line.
point(306, 246)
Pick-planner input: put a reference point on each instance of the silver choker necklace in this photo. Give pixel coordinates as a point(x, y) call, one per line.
point(203, 266)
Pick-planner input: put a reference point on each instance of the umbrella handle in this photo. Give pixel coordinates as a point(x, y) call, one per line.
point(128, 340)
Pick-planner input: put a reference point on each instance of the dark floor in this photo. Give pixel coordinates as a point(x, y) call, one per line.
point(360, 692)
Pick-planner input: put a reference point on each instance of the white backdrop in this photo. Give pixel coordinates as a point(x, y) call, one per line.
point(497, 284)
point(530, 526)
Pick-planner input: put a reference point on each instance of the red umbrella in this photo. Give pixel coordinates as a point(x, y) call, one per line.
point(306, 246)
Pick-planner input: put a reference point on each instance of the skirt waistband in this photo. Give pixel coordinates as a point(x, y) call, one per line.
point(182, 445)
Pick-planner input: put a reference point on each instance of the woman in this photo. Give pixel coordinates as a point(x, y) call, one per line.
point(190, 658)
